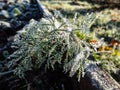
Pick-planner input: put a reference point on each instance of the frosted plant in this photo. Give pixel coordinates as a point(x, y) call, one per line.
point(42, 44)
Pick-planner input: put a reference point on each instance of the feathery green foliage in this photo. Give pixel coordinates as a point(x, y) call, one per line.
point(45, 44)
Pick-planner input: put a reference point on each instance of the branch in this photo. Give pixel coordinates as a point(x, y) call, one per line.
point(43, 10)
point(100, 79)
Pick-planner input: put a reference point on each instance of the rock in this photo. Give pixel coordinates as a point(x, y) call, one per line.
point(6, 29)
point(17, 24)
point(16, 12)
point(4, 14)
point(17, 1)
point(3, 23)
point(1, 5)
point(11, 1)
point(28, 15)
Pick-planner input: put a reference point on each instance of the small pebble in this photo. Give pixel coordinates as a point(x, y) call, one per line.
point(1, 5)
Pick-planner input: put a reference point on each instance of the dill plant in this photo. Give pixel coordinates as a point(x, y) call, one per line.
point(43, 45)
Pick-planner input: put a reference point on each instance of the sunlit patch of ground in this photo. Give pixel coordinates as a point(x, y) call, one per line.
point(106, 26)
